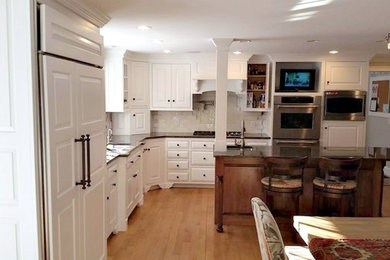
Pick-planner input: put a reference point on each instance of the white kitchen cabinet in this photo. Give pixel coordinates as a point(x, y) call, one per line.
point(237, 69)
point(139, 121)
point(171, 87)
point(133, 185)
point(139, 85)
point(154, 163)
point(116, 69)
point(112, 199)
point(343, 134)
point(346, 76)
point(206, 69)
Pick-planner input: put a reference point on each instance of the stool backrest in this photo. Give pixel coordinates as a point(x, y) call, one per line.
point(340, 168)
point(286, 166)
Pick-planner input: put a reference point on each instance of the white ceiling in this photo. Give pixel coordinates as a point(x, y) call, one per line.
point(349, 26)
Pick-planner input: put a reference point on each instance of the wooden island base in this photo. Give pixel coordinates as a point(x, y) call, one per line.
point(238, 178)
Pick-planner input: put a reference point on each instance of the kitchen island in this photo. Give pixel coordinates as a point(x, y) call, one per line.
point(238, 173)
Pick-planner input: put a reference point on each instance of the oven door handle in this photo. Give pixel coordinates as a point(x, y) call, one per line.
point(296, 142)
point(297, 106)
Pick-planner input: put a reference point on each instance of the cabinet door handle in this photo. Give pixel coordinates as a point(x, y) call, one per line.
point(115, 170)
point(135, 175)
point(88, 139)
point(114, 184)
point(204, 145)
point(139, 156)
point(326, 127)
point(108, 198)
point(125, 100)
point(133, 98)
point(131, 161)
point(83, 178)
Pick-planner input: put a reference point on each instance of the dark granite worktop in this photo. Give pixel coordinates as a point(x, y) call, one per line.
point(312, 152)
point(136, 140)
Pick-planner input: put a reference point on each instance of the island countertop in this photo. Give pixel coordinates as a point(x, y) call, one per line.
point(313, 152)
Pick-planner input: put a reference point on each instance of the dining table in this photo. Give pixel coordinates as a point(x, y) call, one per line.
point(345, 237)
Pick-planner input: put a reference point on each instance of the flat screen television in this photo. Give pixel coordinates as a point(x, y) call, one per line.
point(297, 80)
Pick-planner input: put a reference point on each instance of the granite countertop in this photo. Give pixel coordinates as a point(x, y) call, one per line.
point(312, 152)
point(137, 140)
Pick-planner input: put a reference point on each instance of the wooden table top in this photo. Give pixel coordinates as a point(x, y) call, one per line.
point(342, 227)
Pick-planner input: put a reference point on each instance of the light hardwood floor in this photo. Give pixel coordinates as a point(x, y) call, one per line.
point(179, 224)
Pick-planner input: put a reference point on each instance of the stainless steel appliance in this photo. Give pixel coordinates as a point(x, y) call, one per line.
point(297, 119)
point(345, 105)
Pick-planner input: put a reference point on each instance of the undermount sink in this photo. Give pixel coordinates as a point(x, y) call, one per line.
point(237, 147)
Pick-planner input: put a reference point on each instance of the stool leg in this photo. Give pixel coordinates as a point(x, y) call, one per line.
point(269, 200)
point(294, 212)
point(344, 206)
point(315, 202)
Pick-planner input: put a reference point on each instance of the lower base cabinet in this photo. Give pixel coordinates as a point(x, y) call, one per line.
point(344, 133)
point(112, 199)
point(153, 163)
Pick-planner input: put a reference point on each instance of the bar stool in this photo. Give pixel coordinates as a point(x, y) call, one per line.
point(337, 181)
point(285, 180)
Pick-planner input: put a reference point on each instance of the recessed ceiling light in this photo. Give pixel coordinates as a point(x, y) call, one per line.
point(166, 51)
point(312, 41)
point(237, 52)
point(333, 52)
point(157, 41)
point(144, 27)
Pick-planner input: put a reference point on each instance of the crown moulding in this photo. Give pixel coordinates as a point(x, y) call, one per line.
point(93, 15)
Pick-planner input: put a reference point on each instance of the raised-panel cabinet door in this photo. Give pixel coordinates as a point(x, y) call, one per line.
point(181, 86)
point(129, 189)
point(139, 121)
point(139, 87)
point(346, 76)
point(63, 161)
point(161, 86)
point(348, 134)
point(92, 119)
point(237, 69)
point(153, 164)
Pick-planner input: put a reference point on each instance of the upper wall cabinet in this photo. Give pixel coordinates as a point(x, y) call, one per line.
point(346, 76)
point(171, 87)
point(139, 84)
point(127, 82)
point(116, 69)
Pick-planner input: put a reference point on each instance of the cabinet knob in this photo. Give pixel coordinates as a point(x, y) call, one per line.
point(108, 198)
point(177, 144)
point(178, 155)
point(328, 82)
point(204, 158)
point(204, 145)
point(177, 165)
point(125, 100)
point(326, 127)
point(173, 100)
point(115, 170)
point(139, 156)
point(133, 114)
point(114, 184)
point(169, 100)
point(204, 175)
point(135, 175)
point(133, 98)
point(177, 177)
point(131, 161)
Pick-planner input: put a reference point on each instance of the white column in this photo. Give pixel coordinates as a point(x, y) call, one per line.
point(222, 46)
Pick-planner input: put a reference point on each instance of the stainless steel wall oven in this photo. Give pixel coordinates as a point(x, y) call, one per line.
point(345, 105)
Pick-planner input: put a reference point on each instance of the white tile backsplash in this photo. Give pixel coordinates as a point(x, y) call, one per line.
point(203, 117)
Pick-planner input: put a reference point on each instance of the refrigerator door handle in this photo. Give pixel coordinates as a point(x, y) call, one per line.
point(88, 139)
point(83, 180)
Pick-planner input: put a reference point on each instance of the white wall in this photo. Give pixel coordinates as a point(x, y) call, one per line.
point(18, 194)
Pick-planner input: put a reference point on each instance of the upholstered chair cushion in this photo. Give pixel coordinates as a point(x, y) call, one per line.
point(270, 239)
point(282, 183)
point(338, 185)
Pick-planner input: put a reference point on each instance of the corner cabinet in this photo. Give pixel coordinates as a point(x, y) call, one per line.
point(346, 76)
point(343, 134)
point(171, 87)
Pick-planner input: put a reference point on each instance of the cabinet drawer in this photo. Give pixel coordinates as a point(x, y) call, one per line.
point(177, 144)
point(113, 170)
point(177, 176)
point(203, 174)
point(131, 160)
point(202, 145)
point(172, 165)
point(203, 158)
point(178, 154)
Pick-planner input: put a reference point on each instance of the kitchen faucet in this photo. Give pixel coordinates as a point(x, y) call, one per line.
point(109, 135)
point(242, 137)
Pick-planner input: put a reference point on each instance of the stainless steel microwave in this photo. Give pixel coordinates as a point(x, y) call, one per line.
point(347, 105)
